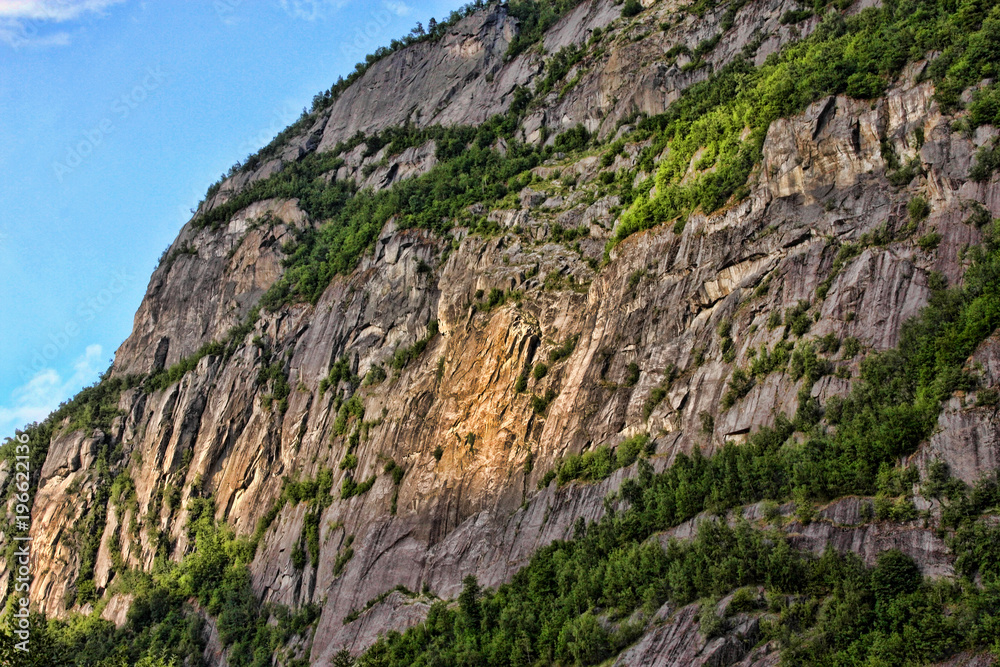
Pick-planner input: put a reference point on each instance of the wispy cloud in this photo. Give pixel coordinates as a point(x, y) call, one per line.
point(34, 400)
point(52, 10)
point(26, 22)
point(398, 8)
point(311, 10)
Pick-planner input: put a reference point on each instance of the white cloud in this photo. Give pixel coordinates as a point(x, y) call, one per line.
point(34, 400)
point(24, 22)
point(311, 10)
point(52, 10)
point(399, 8)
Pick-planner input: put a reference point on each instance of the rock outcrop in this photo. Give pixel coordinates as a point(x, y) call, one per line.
point(472, 446)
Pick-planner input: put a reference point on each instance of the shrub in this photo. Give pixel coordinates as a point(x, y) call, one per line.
point(918, 208)
point(807, 364)
point(828, 344)
point(710, 623)
point(629, 450)
point(376, 374)
point(635, 278)
point(707, 422)
point(774, 320)
point(797, 319)
point(564, 350)
point(744, 600)
point(980, 217)
point(865, 85)
point(895, 574)
point(850, 348)
point(740, 385)
point(539, 404)
point(793, 16)
point(987, 397)
point(929, 242)
point(631, 375)
point(987, 162)
point(298, 557)
point(573, 139)
point(631, 8)
point(546, 479)
point(585, 638)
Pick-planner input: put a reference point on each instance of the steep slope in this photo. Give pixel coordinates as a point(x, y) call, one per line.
point(395, 426)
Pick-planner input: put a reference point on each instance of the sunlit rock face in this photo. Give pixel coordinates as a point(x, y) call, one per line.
point(453, 417)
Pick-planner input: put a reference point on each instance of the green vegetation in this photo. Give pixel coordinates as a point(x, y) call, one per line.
point(725, 118)
point(871, 616)
point(344, 557)
point(395, 471)
point(563, 350)
point(631, 375)
point(929, 241)
point(659, 392)
point(470, 172)
point(495, 298)
point(797, 319)
point(726, 344)
point(631, 8)
point(435, 30)
point(856, 55)
point(316, 492)
point(274, 377)
point(581, 601)
point(339, 372)
point(92, 411)
point(404, 355)
point(539, 404)
point(572, 603)
point(793, 16)
point(574, 139)
point(162, 627)
point(349, 488)
point(918, 208)
point(535, 18)
point(740, 384)
point(845, 254)
point(234, 338)
point(378, 599)
point(548, 612)
point(600, 462)
point(767, 361)
point(987, 162)
point(375, 375)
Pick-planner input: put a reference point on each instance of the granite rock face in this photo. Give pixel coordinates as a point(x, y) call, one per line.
point(472, 447)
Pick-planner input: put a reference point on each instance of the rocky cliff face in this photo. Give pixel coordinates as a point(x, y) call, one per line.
point(472, 447)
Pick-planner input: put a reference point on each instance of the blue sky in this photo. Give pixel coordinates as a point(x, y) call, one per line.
point(115, 116)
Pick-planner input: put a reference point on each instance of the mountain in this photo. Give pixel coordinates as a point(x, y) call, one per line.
point(564, 333)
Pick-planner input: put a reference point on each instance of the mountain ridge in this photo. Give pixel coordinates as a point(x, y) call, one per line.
point(423, 418)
